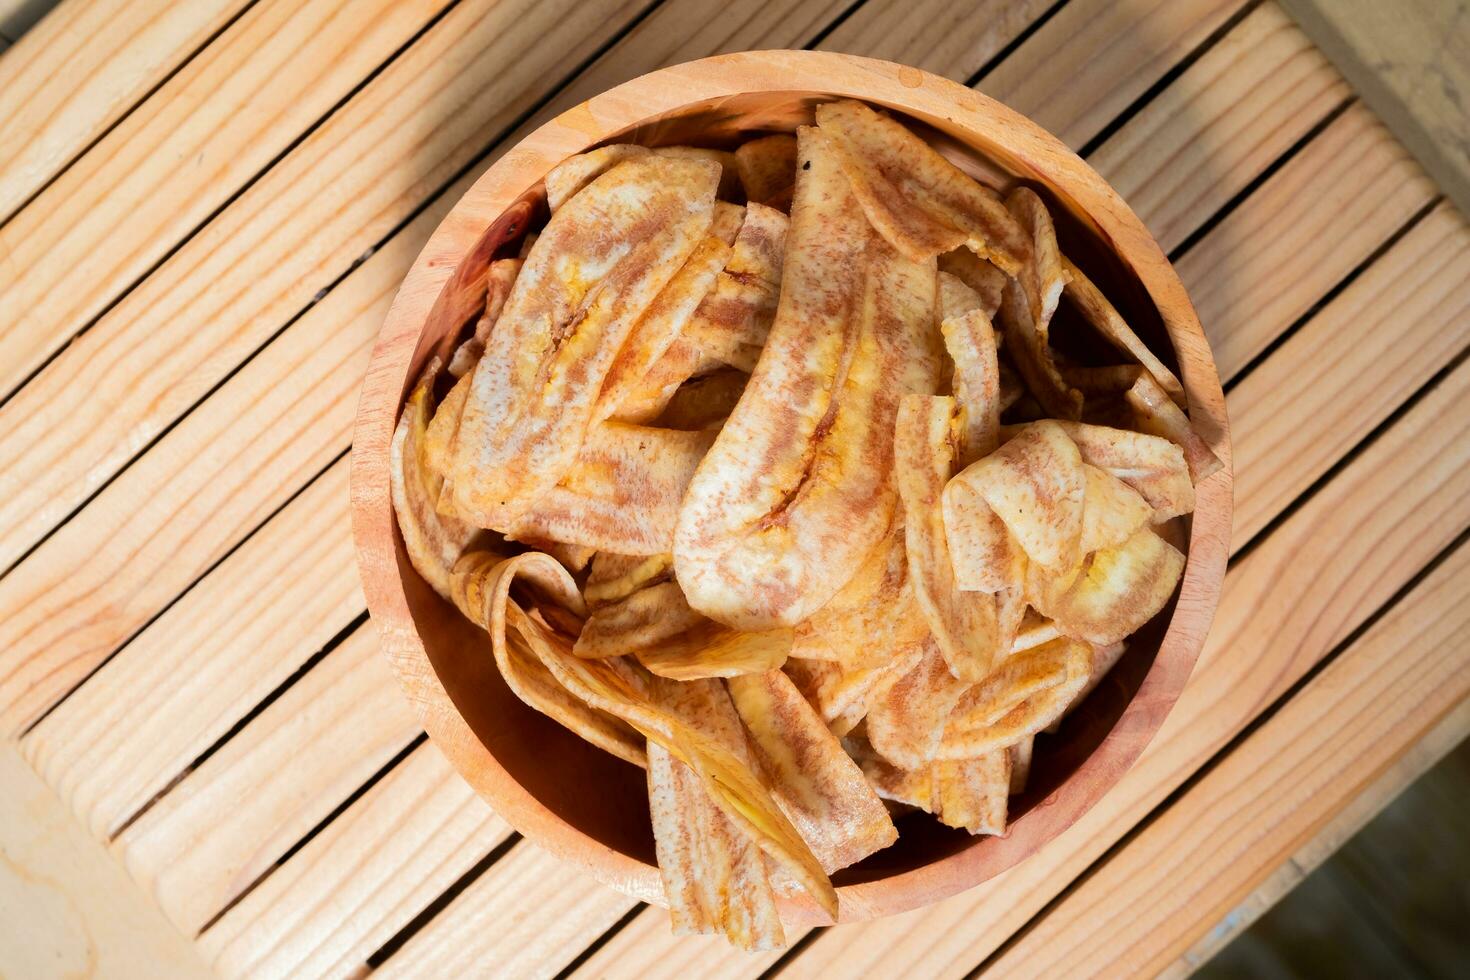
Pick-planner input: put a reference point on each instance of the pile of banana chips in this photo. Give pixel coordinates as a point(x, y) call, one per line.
point(762, 472)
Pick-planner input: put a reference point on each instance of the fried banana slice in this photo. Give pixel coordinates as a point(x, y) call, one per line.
point(601, 685)
point(911, 787)
point(654, 393)
point(1105, 318)
point(641, 621)
point(1112, 511)
point(614, 576)
point(1023, 697)
point(433, 541)
point(1027, 305)
point(624, 492)
point(704, 402)
point(729, 172)
point(1156, 414)
point(712, 650)
point(906, 721)
point(597, 266)
point(970, 341)
point(1116, 591)
point(1152, 465)
point(767, 169)
point(972, 793)
point(733, 321)
point(841, 694)
point(820, 789)
point(987, 281)
point(575, 173)
point(797, 490)
point(922, 204)
point(964, 624)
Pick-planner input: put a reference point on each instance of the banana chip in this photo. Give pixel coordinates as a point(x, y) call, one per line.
point(1104, 317)
point(575, 173)
point(1027, 305)
point(1117, 590)
point(433, 541)
point(1023, 697)
point(912, 787)
point(841, 694)
point(641, 621)
point(733, 321)
point(767, 169)
point(970, 340)
point(712, 650)
point(729, 171)
point(615, 576)
point(906, 721)
point(820, 789)
point(1111, 511)
point(964, 624)
point(1155, 413)
point(972, 793)
point(1153, 466)
point(796, 490)
point(922, 204)
point(987, 281)
point(598, 265)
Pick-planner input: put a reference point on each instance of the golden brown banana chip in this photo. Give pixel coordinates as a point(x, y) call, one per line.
point(704, 402)
point(820, 789)
point(615, 576)
point(922, 204)
point(624, 492)
point(729, 172)
point(575, 173)
point(1018, 678)
point(970, 340)
point(972, 793)
point(796, 490)
point(1117, 590)
point(1111, 511)
point(1152, 465)
point(1112, 379)
point(641, 621)
point(975, 728)
point(662, 324)
point(907, 719)
point(1155, 413)
point(602, 685)
point(1035, 484)
point(727, 221)
point(1104, 659)
point(733, 321)
point(598, 265)
point(647, 401)
point(1027, 305)
point(713, 650)
point(841, 694)
point(433, 541)
point(1096, 309)
point(913, 787)
point(964, 624)
point(767, 169)
point(983, 277)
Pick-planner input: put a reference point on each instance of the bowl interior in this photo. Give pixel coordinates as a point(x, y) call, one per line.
point(605, 798)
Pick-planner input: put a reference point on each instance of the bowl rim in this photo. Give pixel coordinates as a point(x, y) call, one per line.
point(1027, 149)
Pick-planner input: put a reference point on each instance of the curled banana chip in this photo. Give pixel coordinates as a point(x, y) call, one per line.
point(713, 650)
point(1115, 591)
point(994, 717)
point(1027, 305)
point(767, 169)
point(1104, 317)
point(987, 281)
point(615, 576)
point(973, 793)
point(1153, 466)
point(640, 621)
point(970, 340)
point(1111, 511)
point(1155, 413)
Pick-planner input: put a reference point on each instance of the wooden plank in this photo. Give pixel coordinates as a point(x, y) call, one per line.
point(66, 908)
point(210, 129)
point(1417, 759)
point(1261, 89)
point(949, 39)
point(1168, 885)
point(261, 261)
point(80, 70)
point(1093, 59)
point(1411, 61)
point(646, 947)
point(228, 642)
point(227, 822)
point(19, 16)
point(1349, 366)
point(532, 929)
point(1299, 234)
point(354, 885)
point(1290, 601)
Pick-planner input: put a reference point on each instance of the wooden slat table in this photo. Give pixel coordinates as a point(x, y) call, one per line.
point(206, 210)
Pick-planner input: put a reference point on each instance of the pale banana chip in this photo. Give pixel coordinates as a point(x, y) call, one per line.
point(1104, 659)
point(639, 622)
point(712, 650)
point(1020, 756)
point(767, 169)
point(972, 793)
point(656, 390)
point(1117, 591)
point(967, 736)
point(1095, 308)
point(727, 221)
point(841, 694)
point(704, 402)
point(1156, 414)
point(1153, 466)
point(922, 204)
point(575, 173)
point(985, 555)
point(970, 340)
point(729, 171)
point(913, 787)
point(733, 321)
point(615, 576)
point(796, 490)
point(820, 789)
point(982, 276)
point(964, 624)
point(624, 492)
point(1027, 305)
point(598, 265)
point(906, 720)
point(1111, 511)
point(1035, 484)
point(433, 541)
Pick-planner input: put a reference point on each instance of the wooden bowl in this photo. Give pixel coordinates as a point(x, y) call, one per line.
point(591, 808)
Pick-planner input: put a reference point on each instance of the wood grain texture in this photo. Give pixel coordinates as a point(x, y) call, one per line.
point(354, 885)
point(646, 947)
point(79, 71)
point(66, 908)
point(1291, 600)
point(234, 637)
point(168, 165)
point(949, 39)
point(1095, 57)
point(228, 821)
point(1216, 127)
point(1418, 758)
point(19, 16)
point(534, 928)
point(1168, 885)
point(1300, 233)
point(1411, 61)
point(438, 291)
point(293, 233)
point(1350, 365)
